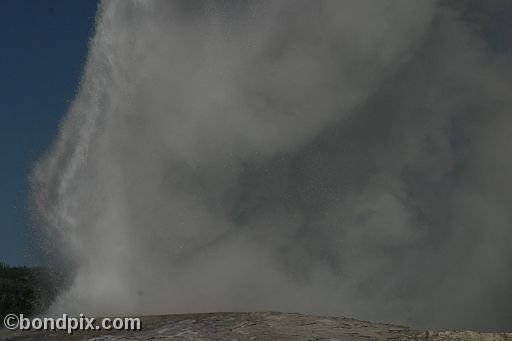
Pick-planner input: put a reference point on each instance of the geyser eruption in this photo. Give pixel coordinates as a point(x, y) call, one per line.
point(330, 157)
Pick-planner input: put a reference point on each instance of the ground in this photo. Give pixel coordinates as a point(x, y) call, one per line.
point(257, 326)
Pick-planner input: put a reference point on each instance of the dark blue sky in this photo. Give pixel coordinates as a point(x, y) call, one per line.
point(44, 46)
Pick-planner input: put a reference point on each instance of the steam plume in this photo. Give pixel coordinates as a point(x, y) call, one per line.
point(329, 157)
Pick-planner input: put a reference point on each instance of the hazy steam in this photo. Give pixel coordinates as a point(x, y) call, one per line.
point(330, 157)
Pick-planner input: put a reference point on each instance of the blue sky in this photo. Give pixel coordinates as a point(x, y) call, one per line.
point(44, 46)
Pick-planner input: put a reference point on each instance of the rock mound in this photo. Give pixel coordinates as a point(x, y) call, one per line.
point(258, 326)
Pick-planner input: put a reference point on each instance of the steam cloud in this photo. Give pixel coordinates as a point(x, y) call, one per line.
point(329, 157)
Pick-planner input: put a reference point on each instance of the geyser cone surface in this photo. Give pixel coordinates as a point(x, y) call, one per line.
point(329, 157)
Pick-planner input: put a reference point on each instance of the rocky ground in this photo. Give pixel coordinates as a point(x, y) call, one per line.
point(256, 326)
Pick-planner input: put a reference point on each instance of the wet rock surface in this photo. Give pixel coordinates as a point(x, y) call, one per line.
point(256, 326)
